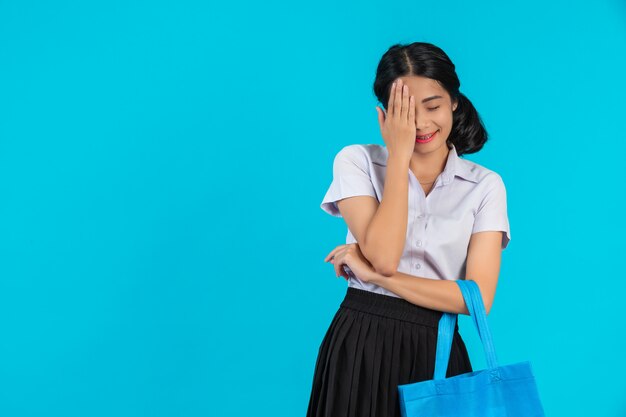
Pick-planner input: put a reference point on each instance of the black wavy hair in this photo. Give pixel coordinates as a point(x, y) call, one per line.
point(424, 59)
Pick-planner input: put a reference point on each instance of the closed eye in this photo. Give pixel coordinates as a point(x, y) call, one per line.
point(433, 108)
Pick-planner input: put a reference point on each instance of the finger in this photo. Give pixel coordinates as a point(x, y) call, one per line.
point(338, 269)
point(405, 103)
point(333, 252)
point(397, 100)
point(381, 118)
point(412, 111)
point(392, 95)
point(338, 263)
point(344, 274)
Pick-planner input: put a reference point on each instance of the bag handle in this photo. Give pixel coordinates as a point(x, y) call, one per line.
point(479, 316)
point(476, 308)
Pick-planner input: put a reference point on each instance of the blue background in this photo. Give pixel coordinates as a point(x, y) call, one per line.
point(162, 166)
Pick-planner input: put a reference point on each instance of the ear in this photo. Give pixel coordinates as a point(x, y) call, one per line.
point(455, 104)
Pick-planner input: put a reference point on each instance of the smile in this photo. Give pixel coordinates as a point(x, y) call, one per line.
point(425, 139)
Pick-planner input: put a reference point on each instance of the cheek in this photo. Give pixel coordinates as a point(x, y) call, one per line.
point(444, 120)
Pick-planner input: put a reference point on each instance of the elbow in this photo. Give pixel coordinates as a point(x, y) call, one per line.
point(486, 304)
point(466, 311)
point(488, 307)
point(380, 264)
point(488, 301)
point(386, 269)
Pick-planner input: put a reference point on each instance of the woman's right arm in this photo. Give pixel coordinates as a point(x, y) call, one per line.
point(386, 234)
point(380, 229)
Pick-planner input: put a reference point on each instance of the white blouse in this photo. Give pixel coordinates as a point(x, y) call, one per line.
point(466, 198)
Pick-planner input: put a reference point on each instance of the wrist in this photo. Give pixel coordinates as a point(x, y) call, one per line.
point(398, 159)
point(376, 278)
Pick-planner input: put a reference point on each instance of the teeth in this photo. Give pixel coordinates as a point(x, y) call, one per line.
point(426, 137)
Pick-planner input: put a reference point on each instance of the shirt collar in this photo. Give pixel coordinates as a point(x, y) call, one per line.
point(455, 165)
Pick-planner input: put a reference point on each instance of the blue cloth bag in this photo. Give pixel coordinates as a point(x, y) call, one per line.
point(500, 391)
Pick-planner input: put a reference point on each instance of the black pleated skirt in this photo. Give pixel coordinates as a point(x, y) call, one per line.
point(374, 343)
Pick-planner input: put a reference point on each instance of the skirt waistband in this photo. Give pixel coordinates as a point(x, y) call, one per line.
point(392, 307)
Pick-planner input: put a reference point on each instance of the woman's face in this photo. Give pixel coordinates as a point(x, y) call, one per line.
point(433, 111)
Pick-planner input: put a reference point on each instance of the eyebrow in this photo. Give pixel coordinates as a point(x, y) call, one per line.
point(430, 98)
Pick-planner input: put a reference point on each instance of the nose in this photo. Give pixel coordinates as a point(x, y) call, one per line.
point(421, 122)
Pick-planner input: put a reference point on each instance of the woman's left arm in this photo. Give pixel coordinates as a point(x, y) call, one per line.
point(483, 266)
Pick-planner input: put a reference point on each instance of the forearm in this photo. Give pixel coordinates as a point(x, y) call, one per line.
point(440, 295)
point(386, 234)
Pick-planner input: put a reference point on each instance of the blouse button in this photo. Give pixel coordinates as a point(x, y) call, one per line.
point(419, 243)
point(418, 266)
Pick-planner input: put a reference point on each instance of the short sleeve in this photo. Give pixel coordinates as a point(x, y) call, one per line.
point(350, 178)
point(492, 215)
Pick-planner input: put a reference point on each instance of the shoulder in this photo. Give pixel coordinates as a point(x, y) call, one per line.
point(362, 155)
point(480, 174)
point(362, 150)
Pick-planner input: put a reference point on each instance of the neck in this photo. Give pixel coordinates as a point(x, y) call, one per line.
point(427, 166)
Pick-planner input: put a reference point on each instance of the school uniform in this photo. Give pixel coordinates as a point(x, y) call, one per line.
point(378, 340)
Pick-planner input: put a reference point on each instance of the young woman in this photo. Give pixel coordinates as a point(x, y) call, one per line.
point(419, 217)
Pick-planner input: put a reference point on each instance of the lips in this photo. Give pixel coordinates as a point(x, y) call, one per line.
point(426, 138)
